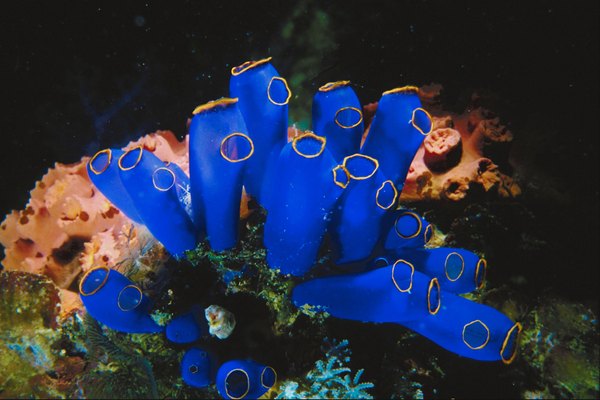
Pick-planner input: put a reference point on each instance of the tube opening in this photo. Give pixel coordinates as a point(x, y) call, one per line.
point(237, 384)
point(236, 147)
point(476, 335)
point(93, 280)
point(428, 233)
point(403, 271)
point(480, 272)
point(193, 369)
point(348, 117)
point(278, 91)
point(248, 65)
point(163, 179)
point(434, 297)
point(508, 352)
point(403, 89)
point(342, 180)
point(408, 225)
point(421, 121)
point(100, 161)
point(333, 85)
point(309, 145)
point(386, 195)
point(360, 166)
point(454, 266)
point(130, 158)
point(130, 297)
point(211, 105)
point(268, 377)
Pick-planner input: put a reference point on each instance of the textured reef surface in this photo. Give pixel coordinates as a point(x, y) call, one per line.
point(250, 258)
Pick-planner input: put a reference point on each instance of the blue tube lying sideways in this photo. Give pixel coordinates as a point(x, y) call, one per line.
point(219, 145)
point(263, 102)
point(404, 229)
point(103, 171)
point(153, 191)
point(357, 220)
point(115, 301)
point(305, 188)
point(397, 131)
point(244, 379)
point(399, 294)
point(337, 115)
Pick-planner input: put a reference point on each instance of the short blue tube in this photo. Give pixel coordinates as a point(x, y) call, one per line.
point(188, 327)
point(103, 171)
point(357, 220)
point(115, 301)
point(198, 368)
point(151, 187)
point(337, 115)
point(263, 101)
point(219, 148)
point(305, 188)
point(397, 131)
point(244, 379)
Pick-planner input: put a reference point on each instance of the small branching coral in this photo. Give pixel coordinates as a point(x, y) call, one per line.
point(331, 378)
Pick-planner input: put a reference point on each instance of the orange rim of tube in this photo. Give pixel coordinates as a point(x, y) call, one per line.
point(415, 216)
point(329, 86)
point(403, 89)
point(307, 135)
point(361, 178)
point(348, 126)
point(94, 170)
point(141, 151)
point(222, 102)
point(340, 184)
point(82, 280)
point(434, 282)
point(393, 200)
point(505, 343)
point(480, 263)
point(247, 386)
point(240, 69)
point(236, 134)
point(417, 127)
point(428, 234)
point(262, 374)
point(287, 88)
point(154, 179)
point(121, 292)
point(486, 340)
point(412, 272)
point(462, 268)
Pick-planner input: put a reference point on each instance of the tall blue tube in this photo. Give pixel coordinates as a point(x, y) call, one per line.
point(151, 187)
point(219, 148)
point(337, 115)
point(305, 188)
point(263, 101)
point(115, 301)
point(397, 131)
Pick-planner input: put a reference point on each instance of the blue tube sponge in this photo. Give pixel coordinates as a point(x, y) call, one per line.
point(397, 131)
point(152, 189)
point(188, 327)
point(457, 270)
point(197, 368)
point(183, 189)
point(244, 379)
point(263, 101)
point(405, 229)
point(104, 174)
point(337, 115)
point(115, 301)
point(356, 222)
point(219, 147)
point(306, 186)
point(402, 295)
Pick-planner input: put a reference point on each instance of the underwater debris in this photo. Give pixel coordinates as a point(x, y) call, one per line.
point(220, 321)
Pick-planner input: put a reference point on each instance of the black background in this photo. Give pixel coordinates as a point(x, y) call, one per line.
point(78, 76)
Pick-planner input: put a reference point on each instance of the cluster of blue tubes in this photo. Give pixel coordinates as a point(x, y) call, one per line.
point(321, 183)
